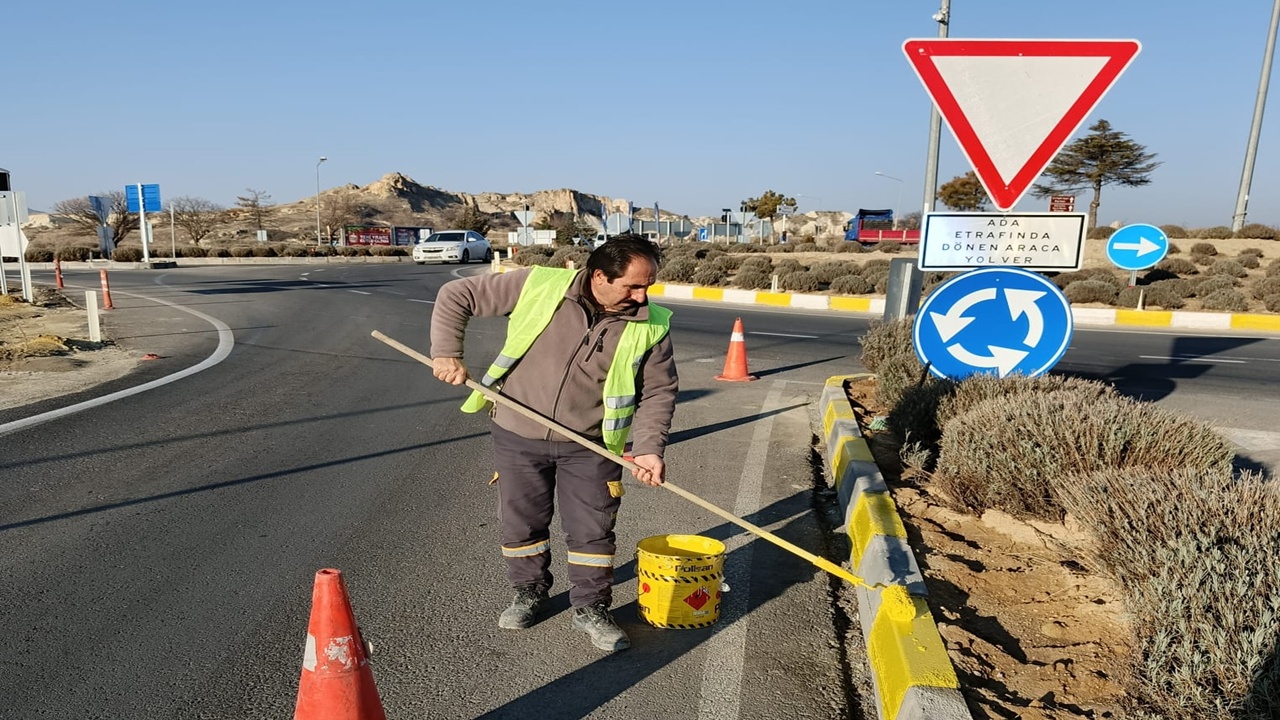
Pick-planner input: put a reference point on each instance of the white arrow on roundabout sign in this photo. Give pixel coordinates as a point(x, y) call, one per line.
point(996, 321)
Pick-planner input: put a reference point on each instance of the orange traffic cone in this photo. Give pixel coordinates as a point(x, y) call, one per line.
point(735, 363)
point(337, 683)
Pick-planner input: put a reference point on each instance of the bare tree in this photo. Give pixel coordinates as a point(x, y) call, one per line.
point(196, 216)
point(341, 208)
point(80, 213)
point(258, 205)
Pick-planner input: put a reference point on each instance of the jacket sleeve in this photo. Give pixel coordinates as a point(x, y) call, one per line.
point(488, 295)
point(658, 386)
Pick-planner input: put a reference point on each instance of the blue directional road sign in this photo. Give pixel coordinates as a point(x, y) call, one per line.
point(702, 233)
point(997, 321)
point(150, 197)
point(1137, 247)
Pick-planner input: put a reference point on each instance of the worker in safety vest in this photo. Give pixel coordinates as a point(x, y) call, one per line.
point(586, 349)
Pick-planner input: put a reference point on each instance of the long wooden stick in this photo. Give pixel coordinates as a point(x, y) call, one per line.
point(507, 402)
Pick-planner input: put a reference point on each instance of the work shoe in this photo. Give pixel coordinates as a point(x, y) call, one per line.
point(524, 609)
point(596, 622)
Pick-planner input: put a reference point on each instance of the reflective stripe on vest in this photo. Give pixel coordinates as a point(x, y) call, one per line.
point(539, 298)
point(542, 293)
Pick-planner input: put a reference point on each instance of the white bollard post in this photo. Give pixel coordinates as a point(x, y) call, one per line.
point(773, 284)
point(95, 320)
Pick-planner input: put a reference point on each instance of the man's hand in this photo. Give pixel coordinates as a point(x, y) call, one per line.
point(450, 370)
point(652, 470)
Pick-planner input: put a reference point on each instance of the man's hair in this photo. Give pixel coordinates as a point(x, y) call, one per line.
point(613, 257)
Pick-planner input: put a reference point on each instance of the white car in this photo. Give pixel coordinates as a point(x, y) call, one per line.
point(458, 246)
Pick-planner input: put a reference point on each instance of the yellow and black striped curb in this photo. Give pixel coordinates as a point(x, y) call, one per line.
point(912, 673)
point(875, 305)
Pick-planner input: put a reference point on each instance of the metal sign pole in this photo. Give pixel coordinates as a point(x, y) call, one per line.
point(24, 271)
point(142, 225)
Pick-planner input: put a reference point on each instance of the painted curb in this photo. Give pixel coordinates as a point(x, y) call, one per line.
point(910, 669)
point(1148, 319)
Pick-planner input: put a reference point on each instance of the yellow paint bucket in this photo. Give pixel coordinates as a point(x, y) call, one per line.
point(680, 580)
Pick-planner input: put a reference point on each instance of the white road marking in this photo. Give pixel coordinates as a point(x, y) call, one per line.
point(429, 302)
point(807, 337)
point(359, 292)
point(1192, 358)
point(1251, 439)
point(722, 671)
point(226, 341)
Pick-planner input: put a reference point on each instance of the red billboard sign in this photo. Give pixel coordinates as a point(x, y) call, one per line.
point(368, 235)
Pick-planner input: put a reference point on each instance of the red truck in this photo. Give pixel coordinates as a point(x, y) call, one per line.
point(869, 227)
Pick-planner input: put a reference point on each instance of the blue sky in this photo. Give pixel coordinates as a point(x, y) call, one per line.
point(694, 105)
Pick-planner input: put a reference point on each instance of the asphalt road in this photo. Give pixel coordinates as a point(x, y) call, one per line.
point(157, 552)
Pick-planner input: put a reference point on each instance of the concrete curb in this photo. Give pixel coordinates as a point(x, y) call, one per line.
point(910, 668)
point(1082, 315)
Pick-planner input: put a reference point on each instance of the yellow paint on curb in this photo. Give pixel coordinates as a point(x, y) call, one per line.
point(1246, 321)
point(1150, 318)
point(708, 293)
point(873, 514)
point(851, 304)
point(897, 602)
point(835, 411)
point(853, 448)
point(907, 653)
point(777, 299)
point(657, 289)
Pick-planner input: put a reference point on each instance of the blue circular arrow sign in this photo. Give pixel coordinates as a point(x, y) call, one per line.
point(997, 321)
point(1137, 247)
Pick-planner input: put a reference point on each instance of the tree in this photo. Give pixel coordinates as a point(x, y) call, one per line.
point(470, 218)
point(567, 227)
point(196, 216)
point(1103, 157)
point(964, 193)
point(258, 205)
point(81, 214)
point(766, 206)
point(341, 208)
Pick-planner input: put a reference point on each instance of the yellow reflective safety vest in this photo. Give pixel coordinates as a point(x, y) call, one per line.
point(539, 299)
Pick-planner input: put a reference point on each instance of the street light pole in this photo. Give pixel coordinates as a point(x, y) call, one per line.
point(1251, 152)
point(897, 204)
point(322, 159)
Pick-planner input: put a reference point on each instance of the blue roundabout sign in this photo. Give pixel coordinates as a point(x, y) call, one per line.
point(998, 321)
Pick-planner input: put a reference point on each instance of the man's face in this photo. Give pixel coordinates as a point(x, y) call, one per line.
point(629, 290)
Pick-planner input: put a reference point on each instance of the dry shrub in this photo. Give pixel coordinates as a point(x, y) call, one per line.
point(1273, 268)
point(1204, 248)
point(889, 352)
point(876, 266)
point(1178, 266)
point(788, 265)
point(1249, 261)
point(1197, 553)
point(1202, 260)
point(1217, 232)
point(534, 255)
point(1256, 231)
point(1225, 300)
point(1256, 252)
point(1087, 291)
point(851, 285)
point(779, 248)
point(753, 279)
point(1224, 266)
point(1101, 232)
point(1010, 453)
point(1272, 303)
point(709, 275)
point(1264, 287)
point(678, 270)
point(1165, 295)
point(889, 247)
point(128, 254)
point(848, 246)
point(1174, 249)
point(1208, 285)
point(883, 340)
point(977, 389)
point(1174, 232)
point(756, 262)
point(829, 270)
point(799, 281)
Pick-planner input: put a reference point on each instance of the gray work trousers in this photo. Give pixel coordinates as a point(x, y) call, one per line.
point(535, 475)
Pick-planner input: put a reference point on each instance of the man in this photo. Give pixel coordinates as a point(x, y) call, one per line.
point(586, 349)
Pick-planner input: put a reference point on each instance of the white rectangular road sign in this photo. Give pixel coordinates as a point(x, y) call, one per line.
point(1031, 241)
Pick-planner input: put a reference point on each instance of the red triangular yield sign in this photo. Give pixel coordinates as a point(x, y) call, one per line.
point(1013, 104)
